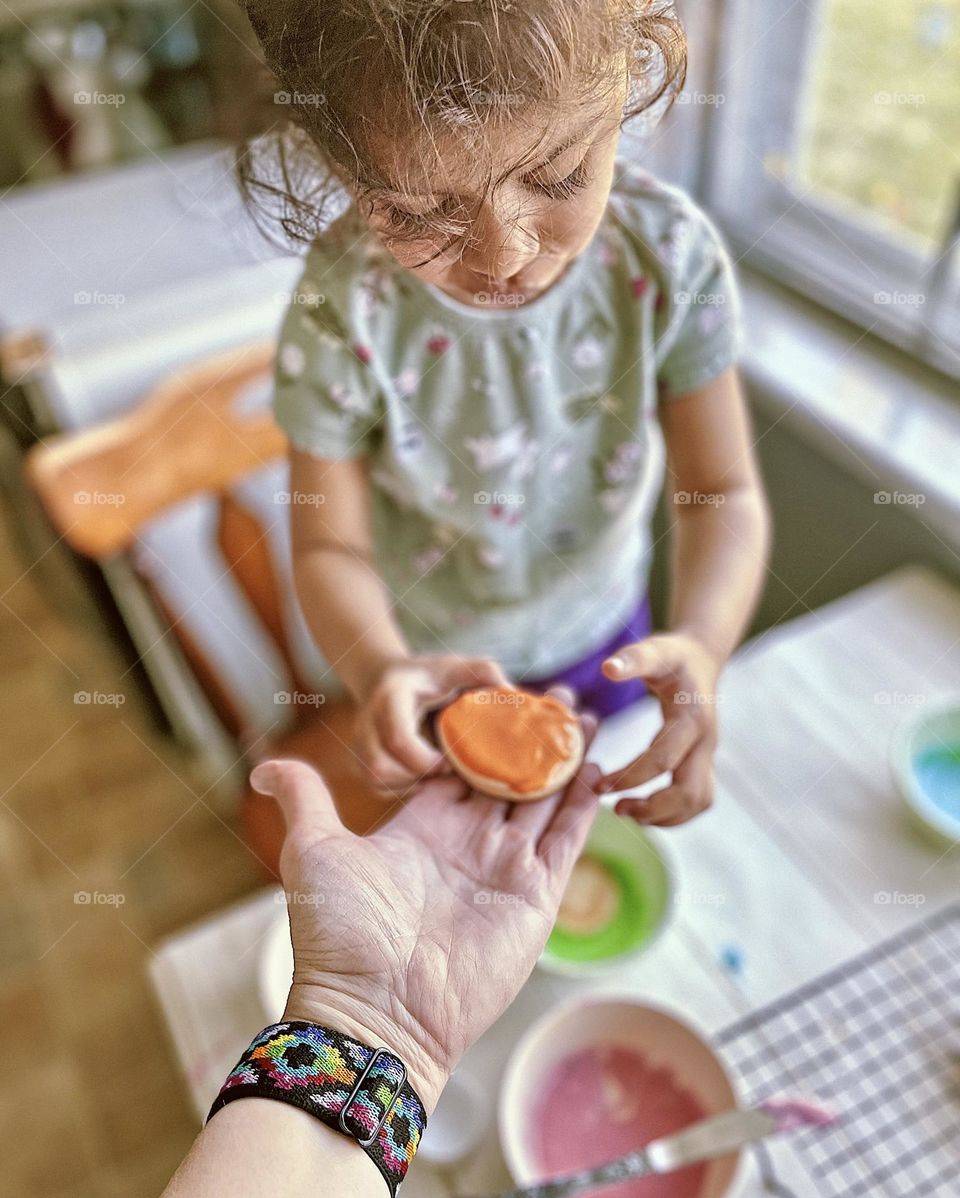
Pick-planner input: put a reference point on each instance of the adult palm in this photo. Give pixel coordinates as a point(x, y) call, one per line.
point(419, 935)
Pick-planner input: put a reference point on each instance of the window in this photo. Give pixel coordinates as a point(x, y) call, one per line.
point(835, 157)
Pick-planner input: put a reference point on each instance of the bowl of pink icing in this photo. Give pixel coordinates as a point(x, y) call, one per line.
point(597, 1078)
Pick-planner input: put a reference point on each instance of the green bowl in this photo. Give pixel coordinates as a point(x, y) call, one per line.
point(634, 857)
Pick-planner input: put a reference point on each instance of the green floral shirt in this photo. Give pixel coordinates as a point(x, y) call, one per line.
point(515, 453)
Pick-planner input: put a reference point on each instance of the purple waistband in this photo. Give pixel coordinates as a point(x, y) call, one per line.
point(593, 689)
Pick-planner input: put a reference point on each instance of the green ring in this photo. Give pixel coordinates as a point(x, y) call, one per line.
point(634, 922)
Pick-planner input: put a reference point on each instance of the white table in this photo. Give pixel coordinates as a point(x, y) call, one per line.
point(789, 868)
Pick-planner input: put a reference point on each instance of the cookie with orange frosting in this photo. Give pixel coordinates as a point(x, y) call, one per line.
point(511, 743)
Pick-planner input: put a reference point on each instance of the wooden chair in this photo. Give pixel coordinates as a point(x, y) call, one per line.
point(190, 437)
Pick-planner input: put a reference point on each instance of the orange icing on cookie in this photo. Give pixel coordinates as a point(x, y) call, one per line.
point(510, 735)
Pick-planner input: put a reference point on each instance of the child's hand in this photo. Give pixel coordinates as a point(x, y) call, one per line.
point(682, 674)
point(388, 740)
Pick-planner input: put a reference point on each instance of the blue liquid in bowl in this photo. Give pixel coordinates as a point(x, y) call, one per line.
point(938, 772)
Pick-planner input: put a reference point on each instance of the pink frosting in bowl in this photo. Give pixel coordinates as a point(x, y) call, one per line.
point(604, 1101)
point(597, 1078)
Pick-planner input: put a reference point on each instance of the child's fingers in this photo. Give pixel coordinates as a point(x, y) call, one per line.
point(667, 750)
point(690, 793)
point(651, 660)
point(588, 720)
point(566, 695)
point(485, 672)
point(378, 767)
point(398, 724)
point(387, 776)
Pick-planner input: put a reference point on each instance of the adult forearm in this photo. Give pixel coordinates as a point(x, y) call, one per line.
point(719, 558)
point(256, 1146)
point(349, 613)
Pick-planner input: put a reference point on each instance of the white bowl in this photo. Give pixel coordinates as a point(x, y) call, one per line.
point(457, 1122)
point(660, 1037)
point(275, 966)
point(937, 727)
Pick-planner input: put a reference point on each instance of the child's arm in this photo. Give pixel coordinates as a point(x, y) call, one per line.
point(344, 601)
point(719, 548)
point(350, 615)
point(720, 539)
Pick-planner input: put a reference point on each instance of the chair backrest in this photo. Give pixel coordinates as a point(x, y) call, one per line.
point(190, 435)
point(186, 455)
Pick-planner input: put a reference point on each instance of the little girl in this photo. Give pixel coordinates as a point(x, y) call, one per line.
point(484, 361)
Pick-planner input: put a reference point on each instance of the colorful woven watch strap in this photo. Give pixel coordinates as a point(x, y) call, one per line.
point(356, 1089)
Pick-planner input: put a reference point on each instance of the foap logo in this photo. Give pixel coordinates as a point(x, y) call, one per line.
point(505, 698)
point(99, 698)
point(299, 498)
point(900, 99)
point(100, 99)
point(99, 499)
point(899, 698)
point(301, 99)
point(308, 299)
point(900, 299)
point(99, 299)
point(699, 498)
point(500, 498)
point(494, 99)
point(697, 698)
point(299, 698)
point(702, 99)
point(498, 898)
point(499, 299)
point(708, 299)
point(700, 898)
point(99, 898)
point(899, 498)
point(299, 898)
point(895, 898)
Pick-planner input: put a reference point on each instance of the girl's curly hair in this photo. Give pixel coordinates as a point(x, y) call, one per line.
point(338, 75)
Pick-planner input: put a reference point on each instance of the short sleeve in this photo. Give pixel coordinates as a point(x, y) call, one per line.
point(699, 321)
point(325, 396)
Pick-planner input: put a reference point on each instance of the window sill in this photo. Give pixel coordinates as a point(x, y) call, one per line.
point(889, 420)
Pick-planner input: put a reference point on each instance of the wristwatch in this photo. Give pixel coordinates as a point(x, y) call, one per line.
point(360, 1091)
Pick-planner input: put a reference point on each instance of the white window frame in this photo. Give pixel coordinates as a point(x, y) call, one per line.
point(849, 263)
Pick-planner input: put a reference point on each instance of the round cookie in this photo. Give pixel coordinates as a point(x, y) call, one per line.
point(511, 743)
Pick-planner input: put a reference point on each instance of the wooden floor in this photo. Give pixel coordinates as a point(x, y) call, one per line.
point(95, 804)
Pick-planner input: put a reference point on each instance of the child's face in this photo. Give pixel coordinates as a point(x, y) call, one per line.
point(524, 234)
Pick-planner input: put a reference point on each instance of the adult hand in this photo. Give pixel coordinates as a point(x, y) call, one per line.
point(418, 936)
point(682, 674)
